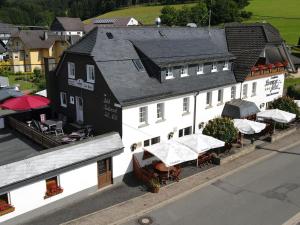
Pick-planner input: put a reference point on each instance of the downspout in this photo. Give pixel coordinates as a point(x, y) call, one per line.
point(195, 110)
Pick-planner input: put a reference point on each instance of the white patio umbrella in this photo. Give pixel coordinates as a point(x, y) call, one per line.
point(277, 115)
point(248, 126)
point(200, 143)
point(172, 153)
point(297, 102)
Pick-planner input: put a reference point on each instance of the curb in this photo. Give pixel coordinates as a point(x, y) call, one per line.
point(196, 188)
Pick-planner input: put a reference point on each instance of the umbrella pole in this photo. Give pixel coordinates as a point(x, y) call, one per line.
point(242, 141)
point(197, 161)
point(168, 173)
point(274, 127)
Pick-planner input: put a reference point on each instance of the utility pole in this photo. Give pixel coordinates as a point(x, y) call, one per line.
point(209, 16)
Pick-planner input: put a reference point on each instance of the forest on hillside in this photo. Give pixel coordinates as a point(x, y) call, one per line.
point(42, 12)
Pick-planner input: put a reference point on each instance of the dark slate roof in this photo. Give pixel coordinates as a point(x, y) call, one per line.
point(239, 108)
point(35, 38)
point(67, 24)
point(163, 46)
point(6, 28)
point(295, 60)
point(6, 93)
point(247, 42)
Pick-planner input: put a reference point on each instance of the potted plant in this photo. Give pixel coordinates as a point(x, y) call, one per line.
point(215, 159)
point(154, 185)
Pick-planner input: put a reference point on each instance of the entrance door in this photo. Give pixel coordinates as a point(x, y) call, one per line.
point(104, 173)
point(79, 109)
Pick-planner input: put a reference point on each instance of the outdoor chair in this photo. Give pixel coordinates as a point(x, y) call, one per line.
point(59, 128)
point(41, 127)
point(175, 173)
point(163, 178)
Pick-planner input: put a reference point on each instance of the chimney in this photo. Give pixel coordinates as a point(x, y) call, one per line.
point(45, 35)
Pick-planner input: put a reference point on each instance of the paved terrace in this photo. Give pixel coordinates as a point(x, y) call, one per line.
point(15, 147)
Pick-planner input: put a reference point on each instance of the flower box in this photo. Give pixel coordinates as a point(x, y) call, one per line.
point(53, 191)
point(5, 209)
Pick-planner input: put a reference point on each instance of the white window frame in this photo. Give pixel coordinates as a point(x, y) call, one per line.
point(63, 98)
point(214, 67)
point(169, 73)
point(245, 90)
point(160, 111)
point(226, 65)
point(143, 115)
point(220, 96)
point(209, 98)
point(200, 69)
point(254, 88)
point(233, 92)
point(71, 70)
point(186, 105)
point(90, 73)
point(184, 71)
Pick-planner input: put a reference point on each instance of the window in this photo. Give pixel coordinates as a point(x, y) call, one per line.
point(186, 105)
point(208, 98)
point(214, 67)
point(160, 111)
point(220, 96)
point(71, 70)
point(254, 84)
point(184, 71)
point(143, 115)
point(226, 65)
point(200, 69)
point(5, 205)
point(90, 73)
point(147, 143)
point(63, 99)
point(155, 140)
point(72, 100)
point(245, 90)
point(185, 131)
point(233, 92)
point(52, 187)
point(169, 73)
point(138, 64)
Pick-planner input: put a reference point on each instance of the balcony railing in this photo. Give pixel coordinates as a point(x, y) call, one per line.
point(268, 69)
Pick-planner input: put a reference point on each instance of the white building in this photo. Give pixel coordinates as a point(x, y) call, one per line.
point(67, 26)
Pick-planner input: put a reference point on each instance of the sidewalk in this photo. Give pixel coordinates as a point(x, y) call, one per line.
point(138, 206)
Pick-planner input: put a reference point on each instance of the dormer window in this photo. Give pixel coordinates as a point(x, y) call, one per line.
point(226, 65)
point(214, 67)
point(200, 69)
point(71, 70)
point(90, 73)
point(169, 73)
point(184, 71)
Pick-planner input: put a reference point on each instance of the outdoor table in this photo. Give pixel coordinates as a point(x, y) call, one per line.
point(50, 123)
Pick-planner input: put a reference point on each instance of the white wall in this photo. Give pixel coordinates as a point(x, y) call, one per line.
point(31, 196)
point(80, 33)
point(133, 22)
point(263, 92)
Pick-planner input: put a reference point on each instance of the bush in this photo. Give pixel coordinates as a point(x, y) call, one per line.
point(222, 129)
point(293, 92)
point(286, 104)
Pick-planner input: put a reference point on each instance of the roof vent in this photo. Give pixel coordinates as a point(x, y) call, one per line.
point(138, 64)
point(109, 35)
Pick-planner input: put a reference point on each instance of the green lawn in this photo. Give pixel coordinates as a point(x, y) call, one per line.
point(289, 28)
point(145, 14)
point(24, 85)
point(291, 82)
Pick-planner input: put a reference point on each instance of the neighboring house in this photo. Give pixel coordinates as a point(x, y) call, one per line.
point(261, 61)
point(3, 51)
point(67, 26)
point(31, 177)
point(6, 30)
point(112, 22)
point(28, 48)
point(4, 82)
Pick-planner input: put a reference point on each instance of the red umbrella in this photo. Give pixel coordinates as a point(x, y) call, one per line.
point(26, 102)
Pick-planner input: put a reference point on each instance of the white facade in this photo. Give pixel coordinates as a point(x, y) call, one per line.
point(31, 196)
point(133, 22)
point(69, 33)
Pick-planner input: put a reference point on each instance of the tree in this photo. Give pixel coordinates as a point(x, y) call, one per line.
point(222, 129)
point(242, 3)
point(199, 14)
point(183, 16)
point(286, 104)
point(168, 16)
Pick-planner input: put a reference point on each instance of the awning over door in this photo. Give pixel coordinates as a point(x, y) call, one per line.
point(239, 108)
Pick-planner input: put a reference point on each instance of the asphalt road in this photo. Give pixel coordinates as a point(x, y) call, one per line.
point(267, 193)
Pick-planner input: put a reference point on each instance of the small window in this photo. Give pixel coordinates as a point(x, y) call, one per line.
point(220, 96)
point(169, 73)
point(155, 140)
point(214, 67)
point(184, 71)
point(138, 64)
point(226, 65)
point(63, 99)
point(71, 70)
point(200, 69)
point(254, 84)
point(147, 143)
point(52, 187)
point(109, 35)
point(186, 105)
point(90, 73)
point(143, 117)
point(233, 92)
point(5, 204)
point(245, 90)
point(208, 98)
point(160, 111)
point(72, 100)
point(185, 131)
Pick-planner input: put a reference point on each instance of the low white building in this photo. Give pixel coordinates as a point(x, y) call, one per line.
point(67, 26)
